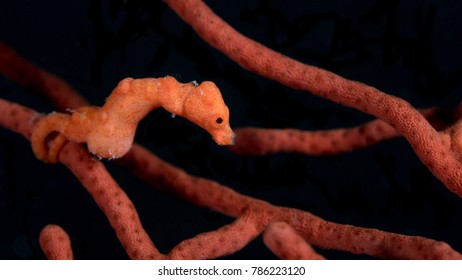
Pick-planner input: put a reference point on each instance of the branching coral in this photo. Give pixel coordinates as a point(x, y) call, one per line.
point(288, 232)
point(252, 215)
point(439, 151)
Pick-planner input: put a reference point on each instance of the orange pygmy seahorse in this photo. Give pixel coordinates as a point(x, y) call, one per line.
point(109, 130)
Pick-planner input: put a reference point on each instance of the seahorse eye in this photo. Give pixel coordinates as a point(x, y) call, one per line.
point(219, 121)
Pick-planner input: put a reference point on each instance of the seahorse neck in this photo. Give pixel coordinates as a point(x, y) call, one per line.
point(172, 95)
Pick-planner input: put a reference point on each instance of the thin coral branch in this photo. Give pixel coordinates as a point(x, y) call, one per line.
point(55, 243)
point(221, 242)
point(28, 75)
point(261, 141)
point(287, 244)
point(372, 242)
point(264, 141)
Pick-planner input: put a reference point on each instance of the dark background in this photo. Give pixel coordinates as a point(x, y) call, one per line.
point(406, 48)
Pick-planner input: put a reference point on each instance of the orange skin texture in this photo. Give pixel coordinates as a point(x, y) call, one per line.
point(109, 130)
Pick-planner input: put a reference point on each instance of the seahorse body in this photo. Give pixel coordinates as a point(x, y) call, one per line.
point(109, 130)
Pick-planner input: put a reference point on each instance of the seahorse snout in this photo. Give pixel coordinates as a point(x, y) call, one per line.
point(224, 137)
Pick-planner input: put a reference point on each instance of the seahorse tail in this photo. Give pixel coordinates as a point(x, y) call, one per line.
point(45, 131)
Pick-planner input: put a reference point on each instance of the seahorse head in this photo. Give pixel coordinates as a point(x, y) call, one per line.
point(205, 107)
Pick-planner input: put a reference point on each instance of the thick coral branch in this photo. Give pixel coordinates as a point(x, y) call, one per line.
point(112, 200)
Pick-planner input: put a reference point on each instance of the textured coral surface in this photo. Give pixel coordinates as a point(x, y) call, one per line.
point(410, 50)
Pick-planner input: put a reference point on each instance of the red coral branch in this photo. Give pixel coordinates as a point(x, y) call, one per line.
point(263, 141)
point(287, 231)
point(55, 243)
point(287, 244)
point(39, 81)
